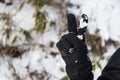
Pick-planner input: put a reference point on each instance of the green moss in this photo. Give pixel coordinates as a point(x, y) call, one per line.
point(39, 3)
point(65, 78)
point(40, 24)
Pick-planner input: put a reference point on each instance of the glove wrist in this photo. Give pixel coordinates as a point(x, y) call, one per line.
point(79, 69)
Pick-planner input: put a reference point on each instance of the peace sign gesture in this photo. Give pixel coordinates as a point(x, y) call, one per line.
point(74, 50)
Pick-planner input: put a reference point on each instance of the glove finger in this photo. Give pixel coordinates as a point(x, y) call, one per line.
point(72, 24)
point(82, 31)
point(73, 39)
point(64, 45)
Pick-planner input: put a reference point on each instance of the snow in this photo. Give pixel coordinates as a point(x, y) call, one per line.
point(24, 18)
point(103, 15)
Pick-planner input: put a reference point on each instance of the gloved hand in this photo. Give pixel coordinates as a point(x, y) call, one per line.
point(74, 53)
point(73, 50)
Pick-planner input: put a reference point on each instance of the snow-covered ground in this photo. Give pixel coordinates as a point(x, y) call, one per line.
point(38, 61)
point(103, 15)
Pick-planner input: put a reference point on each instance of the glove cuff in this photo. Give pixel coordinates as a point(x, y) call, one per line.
point(81, 70)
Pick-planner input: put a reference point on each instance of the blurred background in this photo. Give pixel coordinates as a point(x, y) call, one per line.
point(30, 29)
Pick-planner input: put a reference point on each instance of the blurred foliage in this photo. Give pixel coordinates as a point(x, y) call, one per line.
point(21, 5)
point(52, 23)
point(7, 3)
point(39, 3)
point(14, 40)
point(96, 64)
point(39, 76)
point(27, 35)
point(95, 42)
point(2, 1)
point(12, 51)
point(6, 18)
point(10, 26)
point(3, 16)
point(65, 78)
point(93, 67)
point(99, 65)
point(112, 42)
point(40, 20)
point(7, 32)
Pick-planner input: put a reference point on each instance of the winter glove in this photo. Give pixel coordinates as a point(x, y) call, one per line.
point(112, 69)
point(74, 53)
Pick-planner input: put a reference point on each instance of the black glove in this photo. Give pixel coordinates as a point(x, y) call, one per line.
point(112, 69)
point(74, 53)
point(72, 48)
